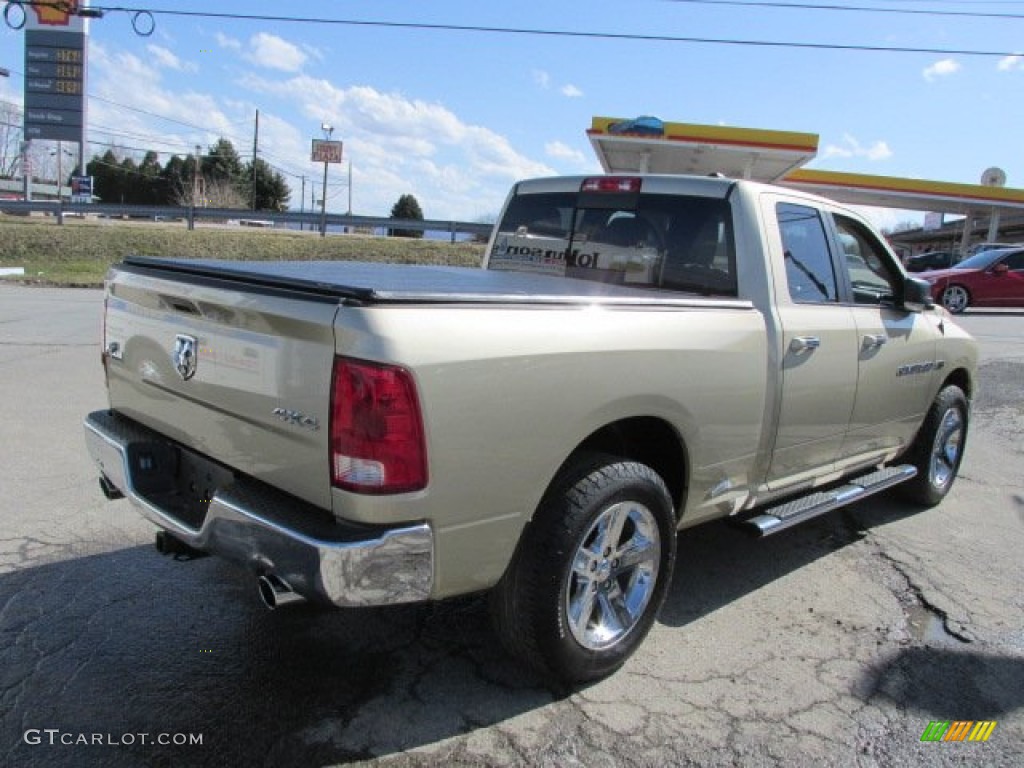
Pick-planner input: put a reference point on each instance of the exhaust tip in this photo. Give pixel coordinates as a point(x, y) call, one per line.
point(275, 592)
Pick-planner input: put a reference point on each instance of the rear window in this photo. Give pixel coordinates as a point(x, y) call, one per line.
point(668, 242)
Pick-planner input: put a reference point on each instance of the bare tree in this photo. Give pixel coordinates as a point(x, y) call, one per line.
point(221, 193)
point(904, 225)
point(10, 139)
point(216, 193)
point(42, 161)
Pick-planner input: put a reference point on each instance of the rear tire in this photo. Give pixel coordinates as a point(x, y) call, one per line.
point(938, 448)
point(591, 571)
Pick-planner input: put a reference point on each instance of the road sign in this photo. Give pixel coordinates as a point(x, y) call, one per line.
point(81, 189)
point(326, 151)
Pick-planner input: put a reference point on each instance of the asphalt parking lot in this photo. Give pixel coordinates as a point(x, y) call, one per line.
point(835, 643)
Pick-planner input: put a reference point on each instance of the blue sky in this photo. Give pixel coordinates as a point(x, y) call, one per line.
point(455, 117)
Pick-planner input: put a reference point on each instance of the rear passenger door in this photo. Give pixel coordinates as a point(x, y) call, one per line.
point(819, 343)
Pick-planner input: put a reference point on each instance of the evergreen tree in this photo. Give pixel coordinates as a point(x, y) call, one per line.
point(175, 179)
point(226, 183)
point(129, 182)
point(148, 180)
point(272, 192)
point(105, 177)
point(407, 207)
point(223, 164)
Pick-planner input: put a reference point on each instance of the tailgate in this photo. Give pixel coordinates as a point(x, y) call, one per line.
point(239, 373)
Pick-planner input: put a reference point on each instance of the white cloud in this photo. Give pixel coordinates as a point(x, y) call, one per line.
point(313, 52)
point(542, 80)
point(403, 145)
point(941, 68)
point(851, 147)
point(123, 80)
point(397, 144)
point(168, 60)
point(560, 151)
point(1010, 63)
point(274, 52)
point(228, 42)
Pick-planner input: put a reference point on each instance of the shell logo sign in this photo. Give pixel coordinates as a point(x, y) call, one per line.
point(55, 14)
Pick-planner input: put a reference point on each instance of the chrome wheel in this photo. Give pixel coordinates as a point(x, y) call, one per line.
point(945, 456)
point(955, 298)
point(613, 575)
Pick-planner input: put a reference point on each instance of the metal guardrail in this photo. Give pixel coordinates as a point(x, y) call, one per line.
point(253, 218)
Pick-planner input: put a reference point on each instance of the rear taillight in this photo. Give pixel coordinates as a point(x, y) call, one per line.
point(377, 442)
point(611, 184)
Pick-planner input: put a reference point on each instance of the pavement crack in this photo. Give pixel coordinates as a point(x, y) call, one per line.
point(917, 593)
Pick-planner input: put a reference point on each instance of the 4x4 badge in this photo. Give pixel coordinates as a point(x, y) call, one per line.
point(185, 358)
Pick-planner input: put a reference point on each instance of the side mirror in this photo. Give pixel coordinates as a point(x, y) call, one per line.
point(917, 294)
point(1001, 269)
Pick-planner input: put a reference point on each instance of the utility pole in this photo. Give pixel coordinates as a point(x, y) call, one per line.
point(255, 149)
point(302, 206)
point(349, 187)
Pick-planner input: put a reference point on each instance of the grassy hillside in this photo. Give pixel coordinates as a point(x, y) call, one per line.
point(80, 251)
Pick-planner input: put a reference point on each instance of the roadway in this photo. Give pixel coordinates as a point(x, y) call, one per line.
point(835, 643)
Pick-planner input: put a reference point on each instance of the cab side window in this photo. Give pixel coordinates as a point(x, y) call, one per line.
point(809, 270)
point(871, 273)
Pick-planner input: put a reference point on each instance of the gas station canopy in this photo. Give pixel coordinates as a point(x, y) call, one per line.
point(648, 145)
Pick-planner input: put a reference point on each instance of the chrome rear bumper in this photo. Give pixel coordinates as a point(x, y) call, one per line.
point(251, 523)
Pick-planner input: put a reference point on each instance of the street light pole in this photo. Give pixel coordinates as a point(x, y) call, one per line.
point(328, 129)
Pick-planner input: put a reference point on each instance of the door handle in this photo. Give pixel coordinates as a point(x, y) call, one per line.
point(873, 341)
point(802, 344)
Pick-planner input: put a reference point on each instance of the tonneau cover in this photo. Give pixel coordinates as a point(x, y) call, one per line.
point(374, 283)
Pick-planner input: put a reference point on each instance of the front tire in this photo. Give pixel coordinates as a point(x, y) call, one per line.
point(591, 572)
point(955, 298)
point(938, 449)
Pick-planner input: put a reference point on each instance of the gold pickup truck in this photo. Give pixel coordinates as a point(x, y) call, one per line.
point(637, 355)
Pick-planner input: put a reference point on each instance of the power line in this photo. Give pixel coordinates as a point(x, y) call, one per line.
point(479, 29)
point(185, 148)
point(162, 117)
point(855, 8)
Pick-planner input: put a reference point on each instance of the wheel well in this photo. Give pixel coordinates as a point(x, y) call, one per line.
point(962, 379)
point(649, 441)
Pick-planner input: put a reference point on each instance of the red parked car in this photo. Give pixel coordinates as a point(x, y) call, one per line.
point(987, 279)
